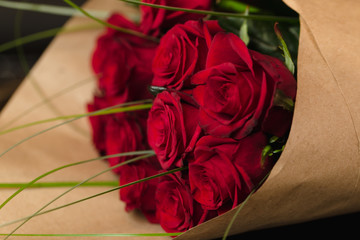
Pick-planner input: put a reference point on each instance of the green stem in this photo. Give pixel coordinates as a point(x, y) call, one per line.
point(26, 68)
point(236, 6)
point(98, 235)
point(59, 184)
point(50, 9)
point(43, 102)
point(42, 35)
point(71, 165)
point(120, 29)
point(95, 195)
point(53, 127)
point(72, 188)
point(224, 14)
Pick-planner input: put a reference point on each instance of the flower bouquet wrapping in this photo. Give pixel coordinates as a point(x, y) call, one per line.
point(315, 176)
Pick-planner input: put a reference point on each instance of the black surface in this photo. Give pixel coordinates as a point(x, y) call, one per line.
point(12, 72)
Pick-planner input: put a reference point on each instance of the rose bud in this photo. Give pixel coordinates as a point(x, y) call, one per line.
point(237, 89)
point(157, 20)
point(182, 52)
point(225, 170)
point(172, 126)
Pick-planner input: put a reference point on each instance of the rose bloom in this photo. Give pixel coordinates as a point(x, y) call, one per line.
point(157, 20)
point(225, 170)
point(182, 52)
point(237, 88)
point(140, 195)
point(123, 61)
point(98, 123)
point(123, 134)
point(176, 209)
point(172, 124)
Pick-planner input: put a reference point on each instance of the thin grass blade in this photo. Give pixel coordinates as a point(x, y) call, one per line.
point(120, 29)
point(45, 101)
point(213, 13)
point(71, 165)
point(108, 110)
point(99, 235)
point(72, 188)
point(50, 9)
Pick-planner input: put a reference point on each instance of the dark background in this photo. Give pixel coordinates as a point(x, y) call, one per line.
point(13, 70)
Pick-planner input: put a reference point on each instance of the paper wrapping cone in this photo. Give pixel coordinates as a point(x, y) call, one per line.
point(317, 175)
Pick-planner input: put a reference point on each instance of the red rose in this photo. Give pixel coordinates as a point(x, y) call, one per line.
point(97, 124)
point(141, 195)
point(123, 134)
point(123, 64)
point(182, 52)
point(237, 88)
point(176, 209)
point(156, 20)
point(123, 61)
point(172, 124)
point(225, 170)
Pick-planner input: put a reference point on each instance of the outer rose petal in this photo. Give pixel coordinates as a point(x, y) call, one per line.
point(176, 209)
point(182, 52)
point(227, 47)
point(170, 129)
point(155, 20)
point(140, 195)
point(225, 170)
point(236, 90)
point(122, 135)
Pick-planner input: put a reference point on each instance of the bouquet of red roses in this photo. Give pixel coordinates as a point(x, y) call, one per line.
point(219, 113)
point(216, 107)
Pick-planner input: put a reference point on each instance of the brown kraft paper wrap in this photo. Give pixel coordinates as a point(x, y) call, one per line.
point(317, 175)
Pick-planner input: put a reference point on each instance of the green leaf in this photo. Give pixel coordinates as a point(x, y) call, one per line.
point(244, 35)
point(267, 151)
point(273, 139)
point(263, 37)
point(288, 61)
point(281, 100)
